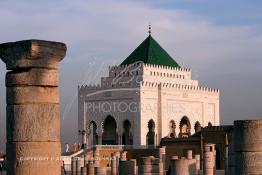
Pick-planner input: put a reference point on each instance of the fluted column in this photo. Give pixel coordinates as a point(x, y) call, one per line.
point(33, 118)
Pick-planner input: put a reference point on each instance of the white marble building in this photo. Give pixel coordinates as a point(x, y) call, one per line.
point(147, 97)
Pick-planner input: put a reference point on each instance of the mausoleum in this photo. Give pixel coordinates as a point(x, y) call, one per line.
point(147, 97)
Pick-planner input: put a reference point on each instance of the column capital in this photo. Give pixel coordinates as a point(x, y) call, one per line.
point(32, 54)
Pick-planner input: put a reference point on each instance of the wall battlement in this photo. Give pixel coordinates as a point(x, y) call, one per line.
point(178, 86)
point(131, 69)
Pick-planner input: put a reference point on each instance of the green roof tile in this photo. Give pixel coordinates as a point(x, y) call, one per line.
point(150, 52)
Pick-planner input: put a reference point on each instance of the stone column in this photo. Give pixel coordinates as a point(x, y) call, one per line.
point(99, 139)
point(127, 167)
point(83, 170)
point(150, 165)
point(97, 158)
point(197, 157)
point(162, 156)
point(100, 170)
point(179, 166)
point(79, 164)
point(132, 167)
point(113, 165)
point(145, 165)
point(119, 139)
point(33, 118)
point(248, 147)
point(73, 166)
point(90, 168)
point(209, 159)
point(117, 154)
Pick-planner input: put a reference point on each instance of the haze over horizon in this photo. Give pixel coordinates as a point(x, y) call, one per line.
point(219, 41)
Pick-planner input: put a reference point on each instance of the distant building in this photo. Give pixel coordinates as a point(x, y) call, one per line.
point(149, 96)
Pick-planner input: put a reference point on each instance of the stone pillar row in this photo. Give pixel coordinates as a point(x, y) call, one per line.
point(185, 166)
point(150, 165)
point(32, 98)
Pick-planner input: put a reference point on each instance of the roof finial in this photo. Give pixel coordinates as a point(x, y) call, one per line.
point(149, 29)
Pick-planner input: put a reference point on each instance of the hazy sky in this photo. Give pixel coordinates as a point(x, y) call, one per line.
point(219, 40)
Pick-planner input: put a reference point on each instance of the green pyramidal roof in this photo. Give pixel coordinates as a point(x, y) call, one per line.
point(150, 52)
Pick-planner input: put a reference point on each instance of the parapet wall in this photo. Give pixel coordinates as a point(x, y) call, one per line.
point(139, 74)
point(179, 87)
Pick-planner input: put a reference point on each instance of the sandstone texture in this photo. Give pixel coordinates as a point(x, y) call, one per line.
point(32, 97)
point(26, 158)
point(31, 94)
point(33, 122)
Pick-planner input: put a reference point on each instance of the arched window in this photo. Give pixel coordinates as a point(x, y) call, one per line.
point(184, 127)
point(172, 129)
point(197, 127)
point(127, 137)
point(151, 133)
point(109, 136)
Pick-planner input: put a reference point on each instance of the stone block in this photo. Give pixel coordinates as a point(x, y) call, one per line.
point(33, 122)
point(31, 158)
point(32, 77)
point(32, 53)
point(31, 94)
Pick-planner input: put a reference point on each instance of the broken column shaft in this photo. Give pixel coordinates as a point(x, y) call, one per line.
point(33, 117)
